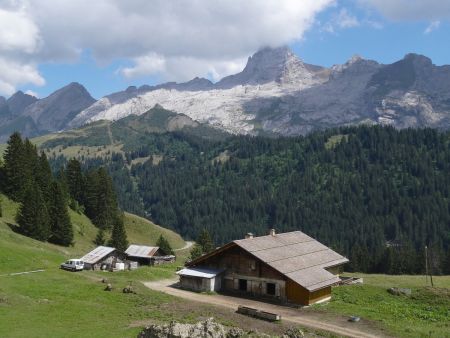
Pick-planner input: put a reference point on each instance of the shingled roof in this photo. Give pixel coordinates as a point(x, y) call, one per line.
point(141, 251)
point(294, 254)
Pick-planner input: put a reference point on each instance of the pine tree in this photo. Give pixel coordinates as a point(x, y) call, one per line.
point(60, 224)
point(118, 234)
point(32, 216)
point(205, 241)
point(75, 180)
point(106, 203)
point(100, 238)
point(196, 252)
point(14, 168)
point(164, 245)
point(44, 177)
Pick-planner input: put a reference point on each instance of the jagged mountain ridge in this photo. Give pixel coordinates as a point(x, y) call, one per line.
point(278, 93)
point(33, 117)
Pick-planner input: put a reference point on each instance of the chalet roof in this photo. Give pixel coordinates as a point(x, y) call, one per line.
point(294, 254)
point(199, 272)
point(97, 254)
point(141, 251)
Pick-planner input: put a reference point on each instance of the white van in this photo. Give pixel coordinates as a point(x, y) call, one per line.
point(73, 265)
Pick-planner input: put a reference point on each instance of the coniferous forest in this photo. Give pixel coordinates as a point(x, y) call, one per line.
point(44, 197)
point(376, 194)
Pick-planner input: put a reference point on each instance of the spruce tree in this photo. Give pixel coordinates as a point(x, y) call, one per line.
point(75, 180)
point(205, 241)
point(164, 245)
point(13, 170)
point(100, 238)
point(60, 224)
point(32, 216)
point(118, 234)
point(44, 177)
point(106, 203)
point(196, 251)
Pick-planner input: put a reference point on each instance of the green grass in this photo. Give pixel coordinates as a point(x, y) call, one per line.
point(57, 303)
point(141, 231)
point(426, 313)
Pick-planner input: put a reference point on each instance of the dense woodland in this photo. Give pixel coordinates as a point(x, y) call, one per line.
point(26, 177)
point(376, 194)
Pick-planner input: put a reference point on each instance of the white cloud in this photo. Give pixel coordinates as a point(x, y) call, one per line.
point(399, 10)
point(13, 73)
point(341, 20)
point(32, 93)
point(161, 36)
point(432, 26)
point(17, 32)
point(144, 65)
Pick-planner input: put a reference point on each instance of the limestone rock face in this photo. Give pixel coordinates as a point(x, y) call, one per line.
point(207, 329)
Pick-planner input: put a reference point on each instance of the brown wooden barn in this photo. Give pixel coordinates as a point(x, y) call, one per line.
point(148, 255)
point(289, 267)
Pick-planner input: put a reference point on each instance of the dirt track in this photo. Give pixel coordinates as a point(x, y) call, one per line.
point(336, 325)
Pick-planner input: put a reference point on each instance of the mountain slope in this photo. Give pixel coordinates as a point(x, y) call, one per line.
point(33, 117)
point(277, 93)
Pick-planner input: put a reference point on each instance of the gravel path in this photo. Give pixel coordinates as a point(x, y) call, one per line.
point(336, 325)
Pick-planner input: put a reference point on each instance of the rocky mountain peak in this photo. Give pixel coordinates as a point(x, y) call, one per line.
point(19, 101)
point(278, 65)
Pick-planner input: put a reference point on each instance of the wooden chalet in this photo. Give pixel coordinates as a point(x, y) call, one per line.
point(289, 267)
point(148, 255)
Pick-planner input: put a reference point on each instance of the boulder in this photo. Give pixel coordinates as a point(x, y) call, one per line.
point(399, 291)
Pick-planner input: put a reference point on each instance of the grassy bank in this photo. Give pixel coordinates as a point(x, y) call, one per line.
point(426, 313)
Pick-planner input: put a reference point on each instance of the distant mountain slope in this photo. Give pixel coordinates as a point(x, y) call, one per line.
point(277, 93)
point(33, 117)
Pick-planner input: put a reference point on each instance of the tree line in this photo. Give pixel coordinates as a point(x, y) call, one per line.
point(44, 197)
point(375, 194)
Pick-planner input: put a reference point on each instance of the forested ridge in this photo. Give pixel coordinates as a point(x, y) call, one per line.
point(376, 194)
point(44, 197)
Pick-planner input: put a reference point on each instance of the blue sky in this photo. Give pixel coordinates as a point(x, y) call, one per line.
point(148, 42)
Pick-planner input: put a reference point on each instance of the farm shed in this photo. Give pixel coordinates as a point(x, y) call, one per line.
point(200, 279)
point(102, 258)
point(148, 255)
point(289, 267)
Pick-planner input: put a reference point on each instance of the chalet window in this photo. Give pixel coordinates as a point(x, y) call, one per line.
point(270, 289)
point(252, 265)
point(243, 284)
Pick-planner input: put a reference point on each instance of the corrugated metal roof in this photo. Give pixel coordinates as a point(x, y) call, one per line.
point(97, 254)
point(296, 255)
point(141, 251)
point(199, 272)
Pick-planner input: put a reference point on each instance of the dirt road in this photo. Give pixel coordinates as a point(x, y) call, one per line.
point(339, 325)
point(187, 246)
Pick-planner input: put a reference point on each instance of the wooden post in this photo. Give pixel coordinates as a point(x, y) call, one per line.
point(426, 265)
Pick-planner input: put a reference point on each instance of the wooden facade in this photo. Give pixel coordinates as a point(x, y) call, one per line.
point(289, 268)
point(248, 276)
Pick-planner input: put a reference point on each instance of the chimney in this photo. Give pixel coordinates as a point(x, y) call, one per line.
point(272, 232)
point(248, 235)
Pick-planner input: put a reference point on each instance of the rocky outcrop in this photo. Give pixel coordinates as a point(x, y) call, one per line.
point(206, 329)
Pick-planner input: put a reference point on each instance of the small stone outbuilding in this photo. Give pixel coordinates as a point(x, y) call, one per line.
point(103, 258)
point(200, 279)
point(148, 255)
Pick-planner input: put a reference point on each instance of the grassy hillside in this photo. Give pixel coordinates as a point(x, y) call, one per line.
point(50, 302)
point(426, 313)
point(139, 231)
